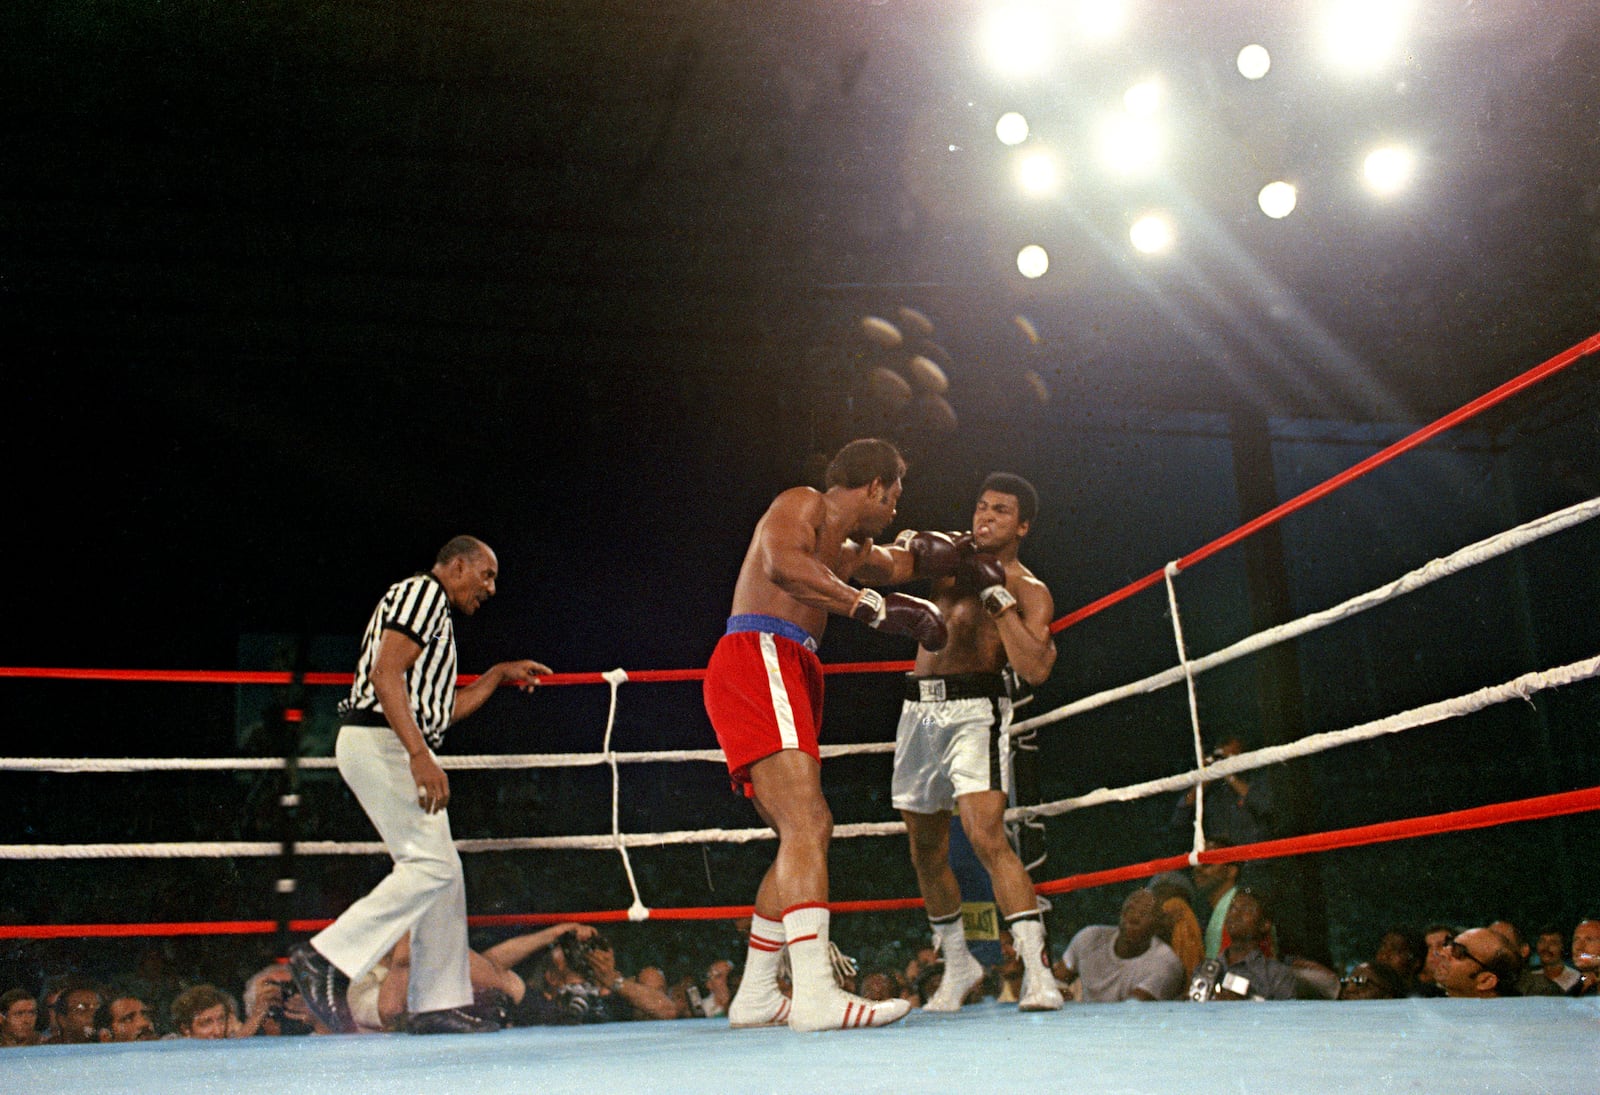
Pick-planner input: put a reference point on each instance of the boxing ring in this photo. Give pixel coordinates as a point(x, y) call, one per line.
point(1520, 1045)
point(1460, 1047)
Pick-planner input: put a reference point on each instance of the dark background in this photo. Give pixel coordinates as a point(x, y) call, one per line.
point(294, 291)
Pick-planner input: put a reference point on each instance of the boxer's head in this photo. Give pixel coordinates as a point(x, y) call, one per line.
point(1006, 507)
point(875, 467)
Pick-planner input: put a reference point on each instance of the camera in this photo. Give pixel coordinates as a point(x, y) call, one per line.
point(576, 951)
point(287, 990)
point(1204, 985)
point(581, 1002)
point(1239, 986)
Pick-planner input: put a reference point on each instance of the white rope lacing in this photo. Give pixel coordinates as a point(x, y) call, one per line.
point(1169, 572)
point(1430, 572)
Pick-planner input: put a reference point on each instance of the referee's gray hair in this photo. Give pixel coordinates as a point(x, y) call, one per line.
point(458, 546)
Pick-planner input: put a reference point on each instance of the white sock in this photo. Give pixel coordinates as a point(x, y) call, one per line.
point(764, 952)
point(806, 928)
point(1027, 936)
point(951, 934)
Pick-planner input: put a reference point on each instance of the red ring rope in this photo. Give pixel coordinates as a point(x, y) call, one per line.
point(1454, 821)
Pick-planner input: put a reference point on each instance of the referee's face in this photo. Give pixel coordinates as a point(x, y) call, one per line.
point(472, 580)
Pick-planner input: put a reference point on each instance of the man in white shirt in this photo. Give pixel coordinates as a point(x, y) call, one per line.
point(1126, 962)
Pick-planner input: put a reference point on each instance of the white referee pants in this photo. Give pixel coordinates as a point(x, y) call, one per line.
point(424, 894)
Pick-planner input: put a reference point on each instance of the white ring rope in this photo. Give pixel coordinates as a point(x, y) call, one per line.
point(1519, 688)
point(465, 761)
point(1471, 555)
point(1522, 687)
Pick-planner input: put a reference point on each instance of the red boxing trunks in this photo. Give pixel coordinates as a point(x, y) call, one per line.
point(763, 691)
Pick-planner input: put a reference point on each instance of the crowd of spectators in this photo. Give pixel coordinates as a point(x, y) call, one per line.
point(1197, 936)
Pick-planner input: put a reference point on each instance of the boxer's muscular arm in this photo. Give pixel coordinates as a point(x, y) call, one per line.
point(788, 554)
point(883, 566)
point(1025, 630)
point(914, 555)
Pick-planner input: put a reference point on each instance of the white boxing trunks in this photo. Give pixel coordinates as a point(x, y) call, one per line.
point(954, 739)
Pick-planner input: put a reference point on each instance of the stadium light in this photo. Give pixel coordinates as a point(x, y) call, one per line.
point(1038, 174)
point(1017, 39)
point(1032, 261)
point(1143, 99)
point(1152, 234)
point(1127, 145)
point(1388, 170)
point(1254, 62)
point(1277, 199)
point(1363, 35)
point(1099, 21)
point(1012, 129)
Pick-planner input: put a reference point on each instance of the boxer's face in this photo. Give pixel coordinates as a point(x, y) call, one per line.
point(882, 499)
point(995, 523)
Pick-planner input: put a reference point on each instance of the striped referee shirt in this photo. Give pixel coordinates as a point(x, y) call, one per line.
point(419, 609)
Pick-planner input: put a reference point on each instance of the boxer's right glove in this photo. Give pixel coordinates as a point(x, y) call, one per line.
point(933, 554)
point(902, 614)
point(986, 574)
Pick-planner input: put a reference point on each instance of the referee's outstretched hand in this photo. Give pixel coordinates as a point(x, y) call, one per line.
point(524, 674)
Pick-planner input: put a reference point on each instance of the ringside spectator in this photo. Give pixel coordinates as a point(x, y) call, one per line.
point(125, 1017)
point(1249, 925)
point(1553, 977)
point(1126, 962)
point(75, 1010)
point(1479, 963)
point(201, 1011)
point(19, 1018)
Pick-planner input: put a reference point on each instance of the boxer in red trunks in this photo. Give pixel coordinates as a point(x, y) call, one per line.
point(763, 692)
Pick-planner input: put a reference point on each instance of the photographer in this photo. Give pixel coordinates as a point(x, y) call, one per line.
point(274, 1007)
point(378, 999)
point(1237, 809)
point(578, 982)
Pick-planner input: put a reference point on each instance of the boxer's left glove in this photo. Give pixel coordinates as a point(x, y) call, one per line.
point(902, 614)
point(933, 554)
point(987, 575)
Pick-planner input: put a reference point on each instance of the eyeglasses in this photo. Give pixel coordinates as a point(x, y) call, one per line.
point(1460, 953)
point(1356, 979)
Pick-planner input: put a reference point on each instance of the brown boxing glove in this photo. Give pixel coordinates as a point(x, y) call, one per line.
point(986, 574)
point(902, 614)
point(933, 554)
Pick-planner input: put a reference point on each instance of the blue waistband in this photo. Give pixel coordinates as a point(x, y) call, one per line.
point(755, 621)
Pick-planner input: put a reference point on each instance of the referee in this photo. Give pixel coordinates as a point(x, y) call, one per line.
point(403, 698)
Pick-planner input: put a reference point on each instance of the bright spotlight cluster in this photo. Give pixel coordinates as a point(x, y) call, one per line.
point(1131, 138)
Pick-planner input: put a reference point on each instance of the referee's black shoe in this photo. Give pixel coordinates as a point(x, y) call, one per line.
point(450, 1021)
point(324, 986)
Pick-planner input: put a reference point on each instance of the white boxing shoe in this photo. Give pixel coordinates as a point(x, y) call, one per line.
point(840, 1010)
point(1039, 992)
point(954, 985)
point(758, 1009)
